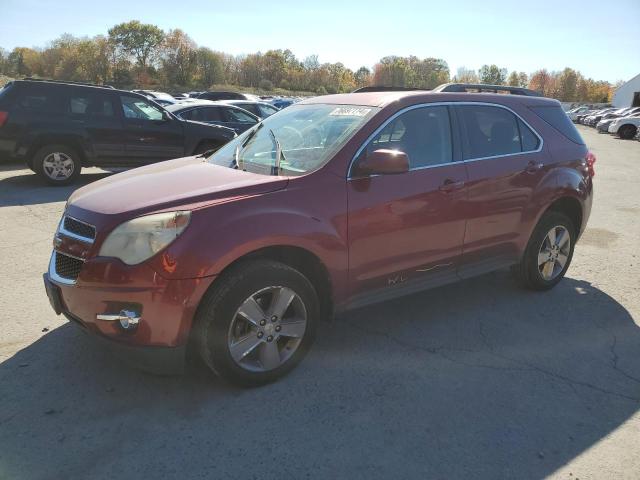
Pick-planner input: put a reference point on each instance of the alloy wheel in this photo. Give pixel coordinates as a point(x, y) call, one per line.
point(58, 166)
point(267, 329)
point(554, 252)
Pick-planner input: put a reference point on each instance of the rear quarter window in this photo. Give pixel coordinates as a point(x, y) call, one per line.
point(558, 119)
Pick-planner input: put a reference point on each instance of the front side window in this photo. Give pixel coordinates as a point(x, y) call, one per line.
point(306, 136)
point(237, 115)
point(137, 108)
point(490, 131)
point(424, 134)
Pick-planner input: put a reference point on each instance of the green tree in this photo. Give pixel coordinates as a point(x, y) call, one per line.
point(178, 59)
point(140, 40)
point(514, 79)
point(466, 75)
point(492, 75)
point(568, 85)
point(209, 67)
point(362, 77)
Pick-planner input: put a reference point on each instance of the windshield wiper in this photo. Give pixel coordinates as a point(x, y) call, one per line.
point(251, 135)
point(279, 153)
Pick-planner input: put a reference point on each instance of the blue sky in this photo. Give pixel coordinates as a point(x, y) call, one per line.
point(599, 38)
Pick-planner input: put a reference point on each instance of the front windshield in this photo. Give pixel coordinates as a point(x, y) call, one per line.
point(294, 141)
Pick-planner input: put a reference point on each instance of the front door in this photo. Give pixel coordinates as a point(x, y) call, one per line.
point(406, 231)
point(150, 135)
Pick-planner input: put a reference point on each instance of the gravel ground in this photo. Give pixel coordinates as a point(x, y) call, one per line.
point(474, 380)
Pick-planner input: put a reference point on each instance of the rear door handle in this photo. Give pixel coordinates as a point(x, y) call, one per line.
point(533, 167)
point(450, 185)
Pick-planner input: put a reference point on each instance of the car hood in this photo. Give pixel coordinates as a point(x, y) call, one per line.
point(185, 182)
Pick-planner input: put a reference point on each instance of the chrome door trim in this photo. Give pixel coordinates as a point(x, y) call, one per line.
point(435, 104)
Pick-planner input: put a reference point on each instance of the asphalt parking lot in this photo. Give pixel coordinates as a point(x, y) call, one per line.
point(474, 380)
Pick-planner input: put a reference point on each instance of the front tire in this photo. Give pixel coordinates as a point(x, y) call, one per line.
point(548, 253)
point(57, 164)
point(257, 322)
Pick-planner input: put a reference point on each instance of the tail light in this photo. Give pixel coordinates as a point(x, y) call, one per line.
point(3, 117)
point(591, 159)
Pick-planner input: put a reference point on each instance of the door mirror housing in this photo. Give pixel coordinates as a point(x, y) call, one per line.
point(166, 116)
point(382, 162)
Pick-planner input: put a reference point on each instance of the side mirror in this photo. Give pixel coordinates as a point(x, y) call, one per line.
point(383, 162)
point(166, 117)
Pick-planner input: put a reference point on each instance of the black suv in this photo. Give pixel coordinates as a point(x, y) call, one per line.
point(59, 127)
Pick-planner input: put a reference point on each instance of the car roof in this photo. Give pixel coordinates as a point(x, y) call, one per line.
point(175, 107)
point(382, 99)
point(244, 102)
point(63, 84)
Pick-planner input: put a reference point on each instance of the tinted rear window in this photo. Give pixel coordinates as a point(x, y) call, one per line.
point(555, 116)
point(490, 131)
point(4, 94)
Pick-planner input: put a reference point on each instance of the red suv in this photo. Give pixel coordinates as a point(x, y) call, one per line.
point(331, 204)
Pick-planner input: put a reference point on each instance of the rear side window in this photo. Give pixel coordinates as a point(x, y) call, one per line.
point(490, 131)
point(555, 116)
point(530, 142)
point(424, 134)
point(95, 105)
point(4, 93)
point(34, 101)
point(207, 114)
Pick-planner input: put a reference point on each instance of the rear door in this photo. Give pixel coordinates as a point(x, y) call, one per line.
point(505, 162)
point(97, 113)
point(150, 136)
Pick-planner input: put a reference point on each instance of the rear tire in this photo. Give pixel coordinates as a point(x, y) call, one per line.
point(242, 350)
point(58, 165)
point(627, 132)
point(543, 265)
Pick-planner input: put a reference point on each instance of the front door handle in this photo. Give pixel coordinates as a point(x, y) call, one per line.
point(533, 167)
point(450, 185)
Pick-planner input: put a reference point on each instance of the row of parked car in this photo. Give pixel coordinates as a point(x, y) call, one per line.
point(57, 128)
point(623, 122)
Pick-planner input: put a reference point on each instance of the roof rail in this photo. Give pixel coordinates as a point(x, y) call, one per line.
point(32, 79)
point(382, 88)
point(482, 88)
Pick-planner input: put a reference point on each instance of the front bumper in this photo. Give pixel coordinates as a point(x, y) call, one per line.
point(106, 286)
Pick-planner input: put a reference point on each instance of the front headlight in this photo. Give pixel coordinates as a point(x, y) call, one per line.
point(139, 239)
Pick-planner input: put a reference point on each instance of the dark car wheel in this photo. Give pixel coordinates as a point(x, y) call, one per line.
point(257, 322)
point(627, 132)
point(548, 253)
point(57, 164)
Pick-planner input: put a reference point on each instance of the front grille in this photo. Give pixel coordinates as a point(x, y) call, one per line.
point(79, 228)
point(67, 267)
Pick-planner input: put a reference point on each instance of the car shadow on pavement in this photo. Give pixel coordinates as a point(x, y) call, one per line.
point(475, 380)
point(30, 189)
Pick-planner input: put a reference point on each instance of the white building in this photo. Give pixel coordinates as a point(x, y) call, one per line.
point(628, 95)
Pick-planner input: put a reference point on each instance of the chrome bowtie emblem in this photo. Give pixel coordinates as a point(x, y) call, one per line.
point(57, 241)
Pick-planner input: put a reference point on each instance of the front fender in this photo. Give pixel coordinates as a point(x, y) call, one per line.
point(220, 234)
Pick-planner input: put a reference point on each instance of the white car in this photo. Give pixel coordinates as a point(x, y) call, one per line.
point(573, 114)
point(625, 127)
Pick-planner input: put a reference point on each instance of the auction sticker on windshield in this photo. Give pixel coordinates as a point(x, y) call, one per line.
point(350, 112)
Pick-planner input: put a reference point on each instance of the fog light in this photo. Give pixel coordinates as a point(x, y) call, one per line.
point(128, 319)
